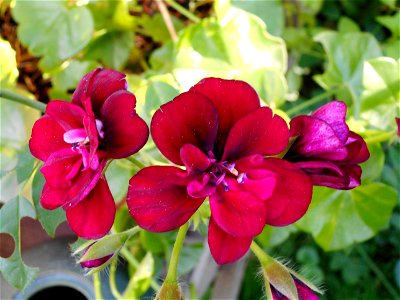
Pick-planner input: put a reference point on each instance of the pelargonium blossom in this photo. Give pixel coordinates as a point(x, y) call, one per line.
point(325, 148)
point(304, 292)
point(76, 139)
point(219, 132)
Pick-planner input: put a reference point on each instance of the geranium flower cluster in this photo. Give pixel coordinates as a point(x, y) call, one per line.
point(226, 148)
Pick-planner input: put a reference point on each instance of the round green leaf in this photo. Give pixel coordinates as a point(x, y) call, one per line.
point(337, 219)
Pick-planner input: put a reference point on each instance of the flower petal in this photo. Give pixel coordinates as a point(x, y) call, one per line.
point(292, 193)
point(224, 247)
point(258, 132)
point(157, 198)
point(237, 211)
point(52, 198)
point(194, 159)
point(94, 216)
point(61, 167)
point(99, 85)
point(334, 114)
point(357, 149)
point(316, 139)
point(189, 119)
point(67, 115)
point(46, 138)
point(200, 186)
point(124, 131)
point(232, 98)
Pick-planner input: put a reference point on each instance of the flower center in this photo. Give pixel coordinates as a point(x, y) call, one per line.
point(80, 143)
point(220, 170)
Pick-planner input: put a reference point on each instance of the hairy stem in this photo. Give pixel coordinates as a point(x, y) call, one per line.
point(97, 285)
point(12, 96)
point(173, 263)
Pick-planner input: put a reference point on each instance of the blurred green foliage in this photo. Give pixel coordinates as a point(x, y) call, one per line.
point(290, 52)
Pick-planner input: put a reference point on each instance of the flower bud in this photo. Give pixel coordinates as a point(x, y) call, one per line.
point(170, 291)
point(94, 263)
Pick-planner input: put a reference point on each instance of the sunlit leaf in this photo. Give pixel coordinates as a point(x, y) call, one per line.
point(337, 219)
point(380, 101)
point(53, 30)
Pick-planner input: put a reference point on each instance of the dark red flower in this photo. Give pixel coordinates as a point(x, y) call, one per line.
point(325, 148)
point(76, 139)
point(220, 134)
point(398, 126)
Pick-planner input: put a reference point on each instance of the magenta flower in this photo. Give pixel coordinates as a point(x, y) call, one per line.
point(76, 139)
point(325, 148)
point(398, 126)
point(220, 134)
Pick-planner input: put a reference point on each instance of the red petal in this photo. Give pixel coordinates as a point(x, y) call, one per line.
point(292, 193)
point(188, 119)
point(257, 133)
point(224, 247)
point(52, 198)
point(232, 98)
point(99, 85)
point(61, 167)
point(357, 149)
point(67, 115)
point(47, 137)
point(334, 113)
point(317, 139)
point(124, 131)
point(94, 216)
point(157, 199)
point(237, 211)
point(194, 159)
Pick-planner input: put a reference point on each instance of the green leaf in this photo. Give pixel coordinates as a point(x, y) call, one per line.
point(112, 48)
point(380, 101)
point(141, 279)
point(391, 23)
point(347, 25)
point(158, 93)
point(274, 236)
point(337, 219)
point(50, 219)
point(154, 26)
point(118, 174)
point(8, 65)
point(189, 258)
point(271, 12)
point(372, 168)
point(155, 242)
point(346, 55)
point(206, 49)
point(13, 268)
point(52, 30)
point(67, 76)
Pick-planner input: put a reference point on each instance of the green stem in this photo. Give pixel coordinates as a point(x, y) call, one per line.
point(113, 287)
point(9, 95)
point(312, 101)
point(135, 162)
point(183, 11)
point(380, 137)
point(259, 253)
point(371, 264)
point(97, 286)
point(132, 260)
point(173, 263)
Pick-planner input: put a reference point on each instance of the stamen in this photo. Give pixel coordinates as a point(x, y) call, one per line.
point(225, 185)
point(99, 126)
point(241, 178)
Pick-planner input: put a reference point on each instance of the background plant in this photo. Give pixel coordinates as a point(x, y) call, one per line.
point(296, 54)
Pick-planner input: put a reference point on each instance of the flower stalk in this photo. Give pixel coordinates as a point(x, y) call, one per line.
point(173, 263)
point(12, 96)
